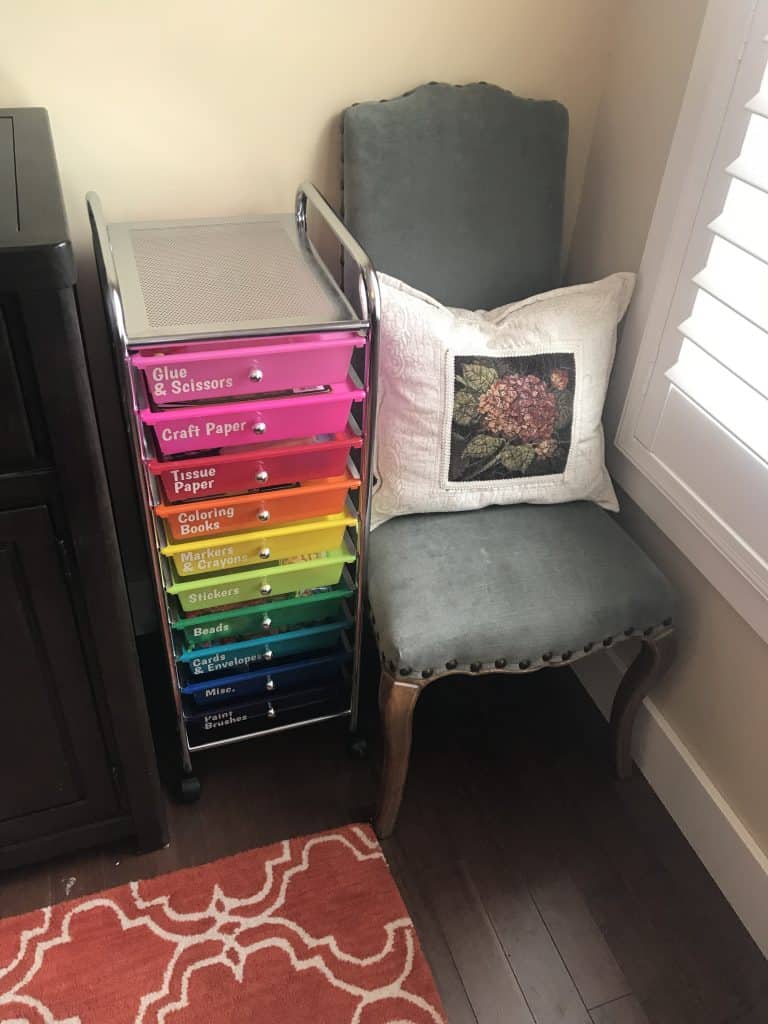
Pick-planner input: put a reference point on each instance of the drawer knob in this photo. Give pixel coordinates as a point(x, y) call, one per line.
point(266, 622)
point(270, 684)
point(271, 713)
point(266, 588)
point(265, 553)
point(257, 375)
point(264, 515)
point(262, 476)
point(260, 427)
point(267, 655)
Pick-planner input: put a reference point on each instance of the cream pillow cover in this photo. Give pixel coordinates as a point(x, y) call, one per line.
point(494, 408)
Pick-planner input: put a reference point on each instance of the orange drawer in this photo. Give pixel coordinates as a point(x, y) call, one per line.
point(221, 516)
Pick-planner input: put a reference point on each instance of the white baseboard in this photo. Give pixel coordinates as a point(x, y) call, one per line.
point(725, 847)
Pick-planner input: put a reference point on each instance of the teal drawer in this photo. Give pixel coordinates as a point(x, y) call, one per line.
point(239, 657)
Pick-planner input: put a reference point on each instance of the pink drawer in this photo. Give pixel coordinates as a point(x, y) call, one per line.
point(198, 428)
point(227, 369)
point(263, 466)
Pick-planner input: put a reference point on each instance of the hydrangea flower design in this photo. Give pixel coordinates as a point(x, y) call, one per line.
point(511, 416)
point(520, 408)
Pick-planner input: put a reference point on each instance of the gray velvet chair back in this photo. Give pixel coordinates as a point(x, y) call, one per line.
point(458, 190)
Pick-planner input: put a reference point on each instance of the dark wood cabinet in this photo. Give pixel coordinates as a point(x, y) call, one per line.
point(77, 764)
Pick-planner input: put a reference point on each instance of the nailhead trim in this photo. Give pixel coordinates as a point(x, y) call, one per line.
point(501, 663)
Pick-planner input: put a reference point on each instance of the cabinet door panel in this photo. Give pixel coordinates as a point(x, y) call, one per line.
point(52, 750)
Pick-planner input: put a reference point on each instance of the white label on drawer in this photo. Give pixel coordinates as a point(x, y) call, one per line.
point(212, 560)
point(218, 691)
point(220, 662)
point(203, 520)
point(193, 481)
point(222, 718)
point(220, 627)
point(217, 594)
point(224, 429)
point(173, 380)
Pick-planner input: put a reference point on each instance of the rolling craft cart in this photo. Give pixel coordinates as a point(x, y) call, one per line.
point(248, 381)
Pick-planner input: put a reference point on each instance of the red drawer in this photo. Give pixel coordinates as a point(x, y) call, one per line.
point(254, 468)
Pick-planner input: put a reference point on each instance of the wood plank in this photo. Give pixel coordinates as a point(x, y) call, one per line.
point(488, 979)
point(457, 797)
point(433, 941)
point(622, 1011)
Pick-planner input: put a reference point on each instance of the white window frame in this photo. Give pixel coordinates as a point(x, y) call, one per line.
point(729, 27)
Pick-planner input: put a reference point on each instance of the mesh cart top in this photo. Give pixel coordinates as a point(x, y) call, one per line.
point(222, 277)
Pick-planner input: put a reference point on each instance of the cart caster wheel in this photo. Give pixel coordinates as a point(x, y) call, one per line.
point(357, 747)
point(188, 789)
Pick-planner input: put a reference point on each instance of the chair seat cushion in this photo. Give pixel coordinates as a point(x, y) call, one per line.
point(524, 585)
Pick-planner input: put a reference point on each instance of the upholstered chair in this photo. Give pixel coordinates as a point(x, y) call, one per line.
point(458, 190)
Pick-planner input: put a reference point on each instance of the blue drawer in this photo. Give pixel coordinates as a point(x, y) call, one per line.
point(242, 719)
point(275, 681)
point(223, 659)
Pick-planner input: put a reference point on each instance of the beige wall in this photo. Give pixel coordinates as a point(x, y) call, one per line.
point(716, 698)
point(199, 108)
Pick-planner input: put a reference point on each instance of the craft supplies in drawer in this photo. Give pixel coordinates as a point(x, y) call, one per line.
point(224, 370)
point(229, 658)
point(241, 549)
point(266, 618)
point(252, 511)
point(197, 428)
point(268, 581)
point(242, 719)
point(264, 466)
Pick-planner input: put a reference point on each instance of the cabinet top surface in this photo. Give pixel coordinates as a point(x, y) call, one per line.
point(222, 277)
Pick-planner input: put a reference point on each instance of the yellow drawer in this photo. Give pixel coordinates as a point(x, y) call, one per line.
point(243, 549)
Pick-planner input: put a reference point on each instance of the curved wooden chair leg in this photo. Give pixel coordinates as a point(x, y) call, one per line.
point(653, 659)
point(397, 701)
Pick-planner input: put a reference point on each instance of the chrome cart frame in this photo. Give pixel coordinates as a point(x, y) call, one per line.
point(134, 398)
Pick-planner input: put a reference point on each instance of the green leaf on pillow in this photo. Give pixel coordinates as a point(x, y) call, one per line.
point(483, 446)
point(465, 409)
point(516, 458)
point(478, 377)
point(564, 409)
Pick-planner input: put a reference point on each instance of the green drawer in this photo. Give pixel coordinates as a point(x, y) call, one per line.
point(264, 619)
point(293, 577)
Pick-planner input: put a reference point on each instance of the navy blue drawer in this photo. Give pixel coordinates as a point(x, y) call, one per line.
point(245, 718)
point(274, 681)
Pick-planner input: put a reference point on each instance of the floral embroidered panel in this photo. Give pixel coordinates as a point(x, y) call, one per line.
point(512, 416)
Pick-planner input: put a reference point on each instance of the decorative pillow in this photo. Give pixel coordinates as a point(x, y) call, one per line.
point(494, 408)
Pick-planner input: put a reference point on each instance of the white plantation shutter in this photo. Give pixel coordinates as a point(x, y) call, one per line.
point(696, 418)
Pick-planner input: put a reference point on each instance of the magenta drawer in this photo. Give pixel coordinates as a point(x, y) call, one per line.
point(256, 366)
point(265, 466)
point(231, 424)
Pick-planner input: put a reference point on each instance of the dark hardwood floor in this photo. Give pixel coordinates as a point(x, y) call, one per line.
point(543, 892)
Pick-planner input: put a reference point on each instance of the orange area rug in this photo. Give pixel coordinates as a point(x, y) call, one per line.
point(310, 930)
